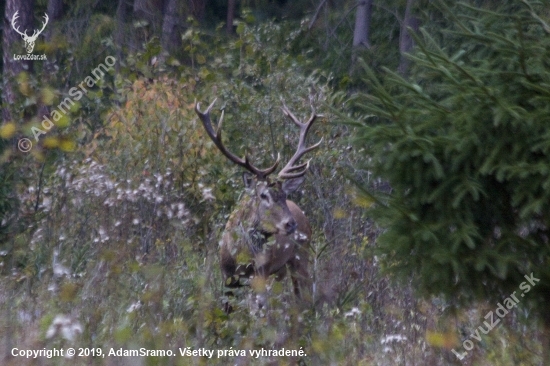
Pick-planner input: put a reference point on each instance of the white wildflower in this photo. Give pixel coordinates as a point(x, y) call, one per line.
point(65, 327)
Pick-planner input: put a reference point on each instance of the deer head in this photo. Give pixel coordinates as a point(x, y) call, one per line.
point(29, 40)
point(270, 213)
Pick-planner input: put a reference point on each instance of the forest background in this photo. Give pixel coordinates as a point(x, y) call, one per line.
point(429, 196)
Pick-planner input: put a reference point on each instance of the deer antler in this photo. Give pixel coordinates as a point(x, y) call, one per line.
point(216, 137)
point(13, 19)
point(24, 34)
point(36, 33)
point(288, 171)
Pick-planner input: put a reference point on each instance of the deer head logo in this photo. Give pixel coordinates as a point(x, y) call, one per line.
point(29, 40)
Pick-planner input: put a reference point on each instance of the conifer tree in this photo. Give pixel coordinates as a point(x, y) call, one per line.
point(464, 143)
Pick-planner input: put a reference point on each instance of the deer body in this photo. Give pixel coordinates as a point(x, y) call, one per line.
point(252, 245)
point(266, 233)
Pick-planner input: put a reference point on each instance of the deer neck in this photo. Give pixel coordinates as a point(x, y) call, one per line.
point(257, 239)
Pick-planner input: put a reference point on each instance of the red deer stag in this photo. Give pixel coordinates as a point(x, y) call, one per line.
point(266, 233)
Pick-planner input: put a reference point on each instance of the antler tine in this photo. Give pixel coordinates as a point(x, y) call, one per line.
point(37, 32)
point(216, 137)
point(286, 172)
point(44, 23)
point(13, 19)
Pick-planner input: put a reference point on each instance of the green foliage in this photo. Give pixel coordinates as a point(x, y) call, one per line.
point(465, 147)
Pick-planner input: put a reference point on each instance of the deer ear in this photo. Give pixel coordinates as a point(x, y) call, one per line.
point(290, 185)
point(248, 180)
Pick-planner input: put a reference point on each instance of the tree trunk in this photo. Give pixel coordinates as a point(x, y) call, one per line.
point(55, 9)
point(144, 9)
point(152, 11)
point(12, 43)
point(362, 24)
point(231, 5)
point(55, 12)
point(406, 42)
point(197, 9)
point(123, 11)
point(172, 26)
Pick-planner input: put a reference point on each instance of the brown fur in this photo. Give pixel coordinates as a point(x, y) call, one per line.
point(255, 244)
